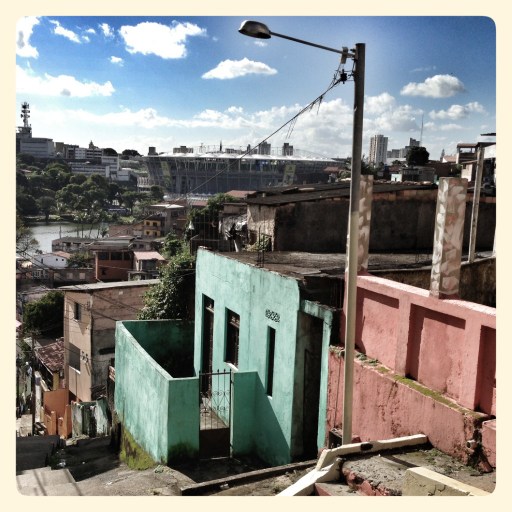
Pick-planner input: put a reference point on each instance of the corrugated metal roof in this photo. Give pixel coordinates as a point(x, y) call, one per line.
point(315, 193)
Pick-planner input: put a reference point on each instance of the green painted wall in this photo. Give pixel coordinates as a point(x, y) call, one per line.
point(160, 412)
point(261, 297)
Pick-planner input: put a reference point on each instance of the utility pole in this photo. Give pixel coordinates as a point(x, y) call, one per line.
point(33, 384)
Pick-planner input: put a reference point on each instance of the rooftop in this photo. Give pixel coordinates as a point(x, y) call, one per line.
point(282, 195)
point(52, 355)
point(148, 255)
point(91, 287)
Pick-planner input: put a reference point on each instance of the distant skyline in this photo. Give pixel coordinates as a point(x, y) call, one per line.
point(135, 82)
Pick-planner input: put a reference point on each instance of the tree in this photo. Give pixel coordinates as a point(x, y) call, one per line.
point(172, 245)
point(156, 192)
point(129, 198)
point(127, 153)
point(45, 315)
point(79, 260)
point(46, 205)
point(26, 204)
point(172, 297)
point(417, 155)
point(25, 241)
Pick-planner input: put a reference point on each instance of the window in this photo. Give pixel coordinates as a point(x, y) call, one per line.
point(116, 256)
point(103, 255)
point(271, 340)
point(74, 357)
point(232, 337)
point(78, 311)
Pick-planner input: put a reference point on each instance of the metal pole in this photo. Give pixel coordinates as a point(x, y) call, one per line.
point(476, 203)
point(33, 386)
point(352, 243)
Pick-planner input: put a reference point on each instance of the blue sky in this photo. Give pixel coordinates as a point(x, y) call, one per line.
point(134, 82)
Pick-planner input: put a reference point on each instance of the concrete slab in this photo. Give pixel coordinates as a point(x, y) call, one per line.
point(425, 482)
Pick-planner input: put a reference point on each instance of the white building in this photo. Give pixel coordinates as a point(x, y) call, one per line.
point(378, 150)
point(37, 147)
point(57, 259)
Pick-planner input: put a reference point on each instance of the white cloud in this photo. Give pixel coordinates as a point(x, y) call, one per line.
point(116, 60)
point(90, 31)
point(106, 30)
point(61, 31)
point(451, 126)
point(24, 29)
point(262, 44)
point(402, 119)
point(62, 85)
point(438, 86)
point(424, 69)
point(458, 111)
point(228, 69)
point(167, 42)
point(379, 104)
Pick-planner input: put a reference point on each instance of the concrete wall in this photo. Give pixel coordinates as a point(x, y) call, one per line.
point(57, 414)
point(159, 411)
point(263, 300)
point(77, 333)
point(477, 280)
point(399, 223)
point(94, 333)
point(436, 364)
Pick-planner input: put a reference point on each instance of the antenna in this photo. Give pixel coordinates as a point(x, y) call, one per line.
point(421, 133)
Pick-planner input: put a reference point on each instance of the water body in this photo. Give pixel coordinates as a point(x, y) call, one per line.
point(45, 233)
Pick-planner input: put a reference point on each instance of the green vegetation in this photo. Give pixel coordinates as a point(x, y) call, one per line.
point(207, 218)
point(417, 155)
point(80, 260)
point(45, 315)
point(25, 241)
point(132, 454)
point(168, 299)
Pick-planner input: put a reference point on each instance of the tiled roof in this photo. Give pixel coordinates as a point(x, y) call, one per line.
point(52, 355)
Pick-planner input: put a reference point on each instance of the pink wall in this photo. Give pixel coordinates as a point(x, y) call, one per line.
point(446, 349)
point(446, 345)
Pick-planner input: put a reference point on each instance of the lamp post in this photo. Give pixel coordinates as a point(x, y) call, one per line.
point(261, 31)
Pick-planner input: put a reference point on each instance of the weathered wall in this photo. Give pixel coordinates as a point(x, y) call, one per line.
point(57, 412)
point(477, 280)
point(94, 333)
point(263, 299)
point(445, 350)
point(161, 413)
point(399, 223)
point(386, 406)
point(77, 332)
point(170, 344)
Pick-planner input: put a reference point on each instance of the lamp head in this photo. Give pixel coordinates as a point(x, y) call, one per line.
point(255, 29)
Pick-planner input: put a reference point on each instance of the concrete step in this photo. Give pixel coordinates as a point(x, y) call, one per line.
point(334, 489)
point(43, 478)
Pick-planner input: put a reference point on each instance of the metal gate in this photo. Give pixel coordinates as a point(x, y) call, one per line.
point(215, 413)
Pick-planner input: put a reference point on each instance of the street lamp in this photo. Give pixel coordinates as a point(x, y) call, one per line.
point(261, 31)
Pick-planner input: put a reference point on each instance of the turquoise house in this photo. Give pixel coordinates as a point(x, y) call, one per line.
point(250, 375)
point(271, 326)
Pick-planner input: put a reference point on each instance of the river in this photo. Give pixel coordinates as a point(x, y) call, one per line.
point(45, 233)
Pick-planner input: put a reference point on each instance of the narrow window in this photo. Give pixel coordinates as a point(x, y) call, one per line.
point(232, 337)
point(74, 357)
point(271, 335)
point(78, 311)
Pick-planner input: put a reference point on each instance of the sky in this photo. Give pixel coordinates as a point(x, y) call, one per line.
point(134, 82)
